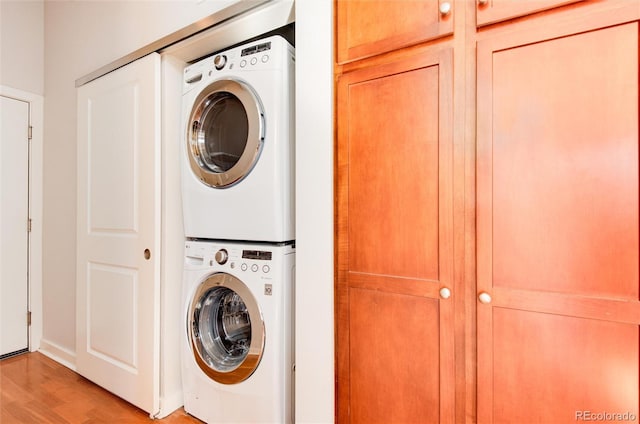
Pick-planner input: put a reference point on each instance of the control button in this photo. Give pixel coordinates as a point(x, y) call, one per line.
point(222, 256)
point(219, 61)
point(232, 265)
point(266, 269)
point(265, 58)
point(254, 60)
point(254, 268)
point(243, 267)
point(243, 63)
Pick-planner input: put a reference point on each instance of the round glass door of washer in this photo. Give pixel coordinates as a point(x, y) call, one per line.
point(225, 134)
point(226, 329)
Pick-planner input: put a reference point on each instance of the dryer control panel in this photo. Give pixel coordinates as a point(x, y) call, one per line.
point(271, 53)
point(256, 49)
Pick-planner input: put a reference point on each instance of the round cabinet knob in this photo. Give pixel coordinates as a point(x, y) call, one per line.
point(445, 293)
point(147, 254)
point(484, 298)
point(222, 256)
point(445, 8)
point(219, 61)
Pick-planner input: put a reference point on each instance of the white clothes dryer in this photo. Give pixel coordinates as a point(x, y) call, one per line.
point(237, 350)
point(238, 144)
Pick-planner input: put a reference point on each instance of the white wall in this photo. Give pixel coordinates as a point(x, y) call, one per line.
point(22, 45)
point(314, 212)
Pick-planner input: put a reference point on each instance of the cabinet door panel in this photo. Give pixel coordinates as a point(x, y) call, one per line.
point(565, 164)
point(557, 224)
point(570, 365)
point(395, 239)
point(394, 357)
point(369, 27)
point(500, 10)
point(393, 175)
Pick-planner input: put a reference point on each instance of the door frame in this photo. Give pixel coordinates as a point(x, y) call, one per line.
point(36, 121)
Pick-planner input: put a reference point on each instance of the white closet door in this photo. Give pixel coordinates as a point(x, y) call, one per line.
point(118, 238)
point(14, 204)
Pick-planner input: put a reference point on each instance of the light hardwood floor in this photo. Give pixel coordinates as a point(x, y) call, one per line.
point(36, 389)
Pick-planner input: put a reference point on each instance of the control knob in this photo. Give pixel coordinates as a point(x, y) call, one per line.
point(222, 256)
point(219, 61)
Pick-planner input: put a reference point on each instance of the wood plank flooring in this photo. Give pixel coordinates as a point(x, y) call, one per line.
point(36, 389)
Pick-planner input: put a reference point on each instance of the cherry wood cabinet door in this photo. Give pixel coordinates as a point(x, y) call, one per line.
point(558, 309)
point(369, 27)
point(395, 335)
point(492, 11)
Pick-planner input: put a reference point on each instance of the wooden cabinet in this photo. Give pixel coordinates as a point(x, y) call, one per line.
point(492, 11)
point(371, 27)
point(395, 242)
point(557, 229)
point(542, 265)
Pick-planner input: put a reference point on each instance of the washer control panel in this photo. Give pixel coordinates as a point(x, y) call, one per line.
point(250, 261)
point(255, 261)
point(264, 268)
point(259, 261)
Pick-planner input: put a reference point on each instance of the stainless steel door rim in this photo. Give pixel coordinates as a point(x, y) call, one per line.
point(226, 133)
point(226, 329)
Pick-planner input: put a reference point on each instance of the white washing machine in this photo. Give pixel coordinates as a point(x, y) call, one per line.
point(238, 144)
point(237, 350)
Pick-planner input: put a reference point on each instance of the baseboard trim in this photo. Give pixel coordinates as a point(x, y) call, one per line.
point(58, 353)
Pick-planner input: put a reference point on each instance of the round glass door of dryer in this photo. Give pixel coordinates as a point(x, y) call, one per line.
point(225, 134)
point(226, 329)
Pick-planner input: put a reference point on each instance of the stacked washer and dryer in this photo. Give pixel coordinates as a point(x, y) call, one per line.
point(238, 204)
